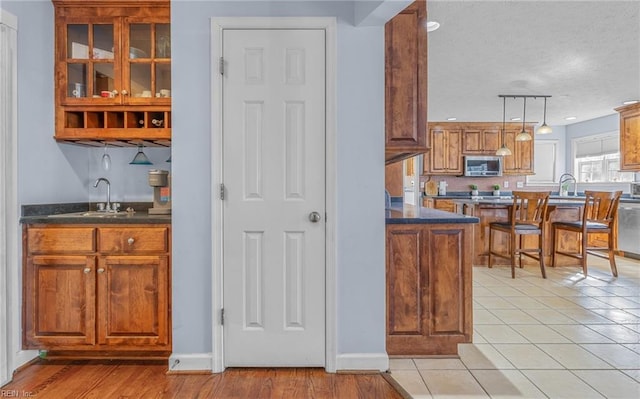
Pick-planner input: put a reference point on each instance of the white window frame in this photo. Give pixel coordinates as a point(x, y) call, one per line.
point(574, 150)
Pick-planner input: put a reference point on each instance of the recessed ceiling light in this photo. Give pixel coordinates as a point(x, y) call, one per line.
point(432, 25)
point(517, 118)
point(453, 118)
point(571, 118)
point(630, 102)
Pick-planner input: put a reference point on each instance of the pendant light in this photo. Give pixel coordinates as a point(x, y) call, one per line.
point(140, 158)
point(523, 135)
point(504, 150)
point(544, 128)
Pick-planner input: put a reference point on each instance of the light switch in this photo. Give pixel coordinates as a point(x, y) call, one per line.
point(520, 184)
point(506, 184)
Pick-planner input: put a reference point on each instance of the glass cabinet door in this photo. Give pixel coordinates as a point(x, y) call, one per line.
point(90, 61)
point(148, 58)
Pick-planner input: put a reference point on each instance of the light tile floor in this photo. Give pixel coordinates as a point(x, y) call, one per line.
point(563, 337)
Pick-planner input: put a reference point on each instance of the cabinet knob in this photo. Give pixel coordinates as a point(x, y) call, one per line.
point(130, 241)
point(115, 93)
point(124, 93)
point(87, 270)
point(101, 270)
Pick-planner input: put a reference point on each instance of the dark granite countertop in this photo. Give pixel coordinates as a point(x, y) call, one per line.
point(83, 213)
point(409, 214)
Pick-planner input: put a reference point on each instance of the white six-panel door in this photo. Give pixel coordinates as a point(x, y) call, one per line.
point(274, 207)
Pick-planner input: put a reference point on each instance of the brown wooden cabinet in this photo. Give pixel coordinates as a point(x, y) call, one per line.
point(445, 157)
point(406, 83)
point(481, 140)
point(439, 203)
point(630, 137)
point(103, 290)
point(428, 288)
point(113, 71)
point(520, 162)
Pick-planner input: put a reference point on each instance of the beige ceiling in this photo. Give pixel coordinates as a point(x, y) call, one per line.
point(586, 54)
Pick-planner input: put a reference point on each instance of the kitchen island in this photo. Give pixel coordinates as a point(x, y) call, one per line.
point(429, 281)
point(490, 210)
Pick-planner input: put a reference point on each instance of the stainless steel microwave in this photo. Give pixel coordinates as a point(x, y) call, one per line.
point(481, 166)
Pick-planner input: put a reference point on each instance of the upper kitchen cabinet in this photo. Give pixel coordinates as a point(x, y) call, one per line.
point(113, 72)
point(630, 137)
point(445, 157)
point(520, 162)
point(481, 139)
point(406, 83)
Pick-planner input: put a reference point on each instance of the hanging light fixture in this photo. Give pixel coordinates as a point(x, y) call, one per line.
point(140, 158)
point(523, 135)
point(504, 150)
point(544, 128)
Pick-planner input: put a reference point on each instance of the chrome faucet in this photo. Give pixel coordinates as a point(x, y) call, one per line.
point(95, 185)
point(567, 177)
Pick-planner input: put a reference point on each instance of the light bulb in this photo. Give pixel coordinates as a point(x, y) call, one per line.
point(544, 129)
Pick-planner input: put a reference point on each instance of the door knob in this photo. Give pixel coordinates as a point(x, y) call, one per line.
point(314, 217)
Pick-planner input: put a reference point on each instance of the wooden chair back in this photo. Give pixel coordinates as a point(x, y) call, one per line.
point(601, 207)
point(529, 207)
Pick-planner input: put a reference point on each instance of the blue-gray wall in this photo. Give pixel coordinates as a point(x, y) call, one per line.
point(360, 158)
point(52, 172)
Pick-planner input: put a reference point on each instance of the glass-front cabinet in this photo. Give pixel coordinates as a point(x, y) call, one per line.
point(113, 70)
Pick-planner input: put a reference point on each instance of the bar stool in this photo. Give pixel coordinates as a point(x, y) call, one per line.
point(526, 217)
point(598, 216)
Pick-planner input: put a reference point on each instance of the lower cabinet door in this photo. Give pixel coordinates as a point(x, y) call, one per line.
point(133, 302)
point(59, 308)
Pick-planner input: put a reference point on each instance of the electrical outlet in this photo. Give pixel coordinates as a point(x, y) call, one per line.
point(506, 184)
point(520, 184)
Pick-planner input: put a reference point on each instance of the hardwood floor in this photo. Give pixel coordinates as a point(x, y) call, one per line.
point(57, 379)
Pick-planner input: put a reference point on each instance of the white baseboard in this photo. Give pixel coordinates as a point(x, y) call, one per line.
point(23, 357)
point(362, 361)
point(191, 362)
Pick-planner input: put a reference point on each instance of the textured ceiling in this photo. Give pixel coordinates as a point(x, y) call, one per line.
point(586, 54)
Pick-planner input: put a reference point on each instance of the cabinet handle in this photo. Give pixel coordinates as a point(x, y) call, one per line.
point(124, 93)
point(101, 270)
point(130, 241)
point(115, 93)
point(87, 270)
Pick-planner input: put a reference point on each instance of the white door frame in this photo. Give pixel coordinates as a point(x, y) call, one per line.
point(9, 227)
point(328, 24)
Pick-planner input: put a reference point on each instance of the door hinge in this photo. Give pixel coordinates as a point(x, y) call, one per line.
point(222, 191)
point(222, 316)
point(221, 66)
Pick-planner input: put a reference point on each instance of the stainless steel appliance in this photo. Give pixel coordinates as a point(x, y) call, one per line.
point(161, 183)
point(629, 229)
point(480, 166)
point(635, 190)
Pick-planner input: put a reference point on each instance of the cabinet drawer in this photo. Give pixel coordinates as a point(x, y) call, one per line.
point(131, 240)
point(60, 240)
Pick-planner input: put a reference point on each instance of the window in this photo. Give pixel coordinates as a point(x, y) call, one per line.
point(597, 159)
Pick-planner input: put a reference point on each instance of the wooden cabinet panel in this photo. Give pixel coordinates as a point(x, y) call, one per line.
point(481, 141)
point(112, 299)
point(445, 157)
point(428, 288)
point(133, 301)
point(112, 71)
point(406, 83)
point(59, 301)
point(520, 162)
point(630, 137)
point(133, 240)
point(406, 303)
point(61, 240)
